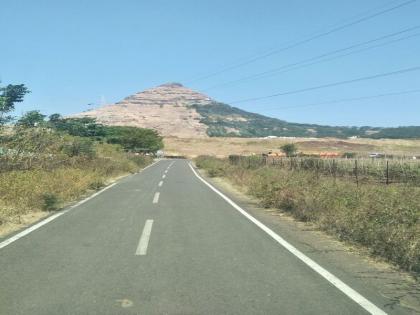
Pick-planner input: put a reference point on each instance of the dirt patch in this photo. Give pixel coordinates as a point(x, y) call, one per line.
point(19, 222)
point(335, 145)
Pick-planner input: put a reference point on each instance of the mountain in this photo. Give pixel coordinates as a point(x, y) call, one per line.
point(175, 110)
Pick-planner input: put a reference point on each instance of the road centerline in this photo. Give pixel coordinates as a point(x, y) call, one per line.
point(144, 238)
point(163, 177)
point(156, 197)
point(160, 183)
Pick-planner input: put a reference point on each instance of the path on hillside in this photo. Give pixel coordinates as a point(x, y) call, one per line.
point(164, 242)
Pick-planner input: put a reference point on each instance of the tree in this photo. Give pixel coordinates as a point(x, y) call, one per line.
point(135, 139)
point(32, 118)
point(53, 118)
point(80, 127)
point(9, 95)
point(289, 149)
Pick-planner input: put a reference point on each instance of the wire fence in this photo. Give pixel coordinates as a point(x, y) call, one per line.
point(385, 171)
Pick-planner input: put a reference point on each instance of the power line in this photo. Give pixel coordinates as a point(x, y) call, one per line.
point(353, 99)
point(304, 41)
point(293, 65)
point(375, 76)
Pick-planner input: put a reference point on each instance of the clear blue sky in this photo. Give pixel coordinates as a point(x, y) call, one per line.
point(71, 53)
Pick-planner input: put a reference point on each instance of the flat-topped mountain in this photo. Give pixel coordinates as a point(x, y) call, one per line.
point(174, 110)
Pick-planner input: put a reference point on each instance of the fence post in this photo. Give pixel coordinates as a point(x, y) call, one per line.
point(356, 173)
point(387, 172)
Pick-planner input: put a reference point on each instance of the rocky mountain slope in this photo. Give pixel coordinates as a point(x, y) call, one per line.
point(166, 108)
point(175, 110)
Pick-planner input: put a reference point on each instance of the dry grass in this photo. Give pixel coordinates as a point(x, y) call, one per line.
point(222, 147)
point(385, 219)
point(31, 191)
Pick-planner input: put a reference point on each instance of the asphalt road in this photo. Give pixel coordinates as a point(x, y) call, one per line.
point(163, 242)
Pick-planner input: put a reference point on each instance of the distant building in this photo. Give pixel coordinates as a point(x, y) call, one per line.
point(376, 155)
point(329, 155)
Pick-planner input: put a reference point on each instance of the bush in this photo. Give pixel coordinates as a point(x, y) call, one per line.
point(79, 147)
point(50, 202)
point(96, 184)
point(349, 155)
point(289, 149)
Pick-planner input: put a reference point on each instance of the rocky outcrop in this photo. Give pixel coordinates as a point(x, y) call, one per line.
point(166, 108)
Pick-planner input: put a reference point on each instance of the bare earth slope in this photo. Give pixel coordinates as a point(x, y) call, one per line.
point(165, 108)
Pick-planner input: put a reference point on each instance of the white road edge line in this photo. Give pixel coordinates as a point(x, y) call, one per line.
point(144, 238)
point(156, 197)
point(58, 214)
point(160, 183)
point(351, 293)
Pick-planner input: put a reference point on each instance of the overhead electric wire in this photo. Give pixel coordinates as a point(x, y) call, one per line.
point(371, 77)
point(294, 65)
point(345, 100)
point(304, 41)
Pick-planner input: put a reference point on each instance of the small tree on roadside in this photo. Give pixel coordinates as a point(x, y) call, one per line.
point(9, 95)
point(30, 119)
point(289, 149)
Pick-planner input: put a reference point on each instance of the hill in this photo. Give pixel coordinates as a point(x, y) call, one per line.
point(174, 110)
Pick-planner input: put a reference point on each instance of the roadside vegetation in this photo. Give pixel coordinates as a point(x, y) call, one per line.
point(384, 218)
point(47, 163)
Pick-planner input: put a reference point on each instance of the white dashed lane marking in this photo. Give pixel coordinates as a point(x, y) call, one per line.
point(156, 198)
point(144, 238)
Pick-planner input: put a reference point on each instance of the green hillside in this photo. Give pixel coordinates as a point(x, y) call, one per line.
point(227, 121)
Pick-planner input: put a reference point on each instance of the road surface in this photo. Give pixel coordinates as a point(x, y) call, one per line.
point(164, 242)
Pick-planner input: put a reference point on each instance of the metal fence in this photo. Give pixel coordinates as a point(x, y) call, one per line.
point(386, 171)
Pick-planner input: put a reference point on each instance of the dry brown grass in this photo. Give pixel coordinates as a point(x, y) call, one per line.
point(384, 218)
point(26, 193)
point(222, 147)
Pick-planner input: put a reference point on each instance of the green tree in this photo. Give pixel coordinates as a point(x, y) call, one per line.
point(32, 118)
point(9, 95)
point(135, 139)
point(289, 149)
point(54, 118)
point(80, 127)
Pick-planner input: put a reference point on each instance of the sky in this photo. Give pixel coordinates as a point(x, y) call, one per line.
point(74, 53)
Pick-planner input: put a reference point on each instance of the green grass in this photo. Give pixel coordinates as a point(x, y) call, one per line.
point(384, 218)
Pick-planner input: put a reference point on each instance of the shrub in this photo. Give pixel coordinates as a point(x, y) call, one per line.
point(50, 202)
point(96, 184)
point(79, 147)
point(289, 149)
